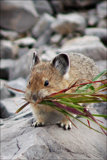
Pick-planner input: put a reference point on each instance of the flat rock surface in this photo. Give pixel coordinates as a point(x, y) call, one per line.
point(19, 140)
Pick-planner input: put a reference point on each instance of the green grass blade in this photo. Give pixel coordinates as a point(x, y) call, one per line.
point(100, 115)
point(104, 86)
point(86, 87)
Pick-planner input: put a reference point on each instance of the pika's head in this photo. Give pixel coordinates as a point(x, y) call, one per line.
point(47, 77)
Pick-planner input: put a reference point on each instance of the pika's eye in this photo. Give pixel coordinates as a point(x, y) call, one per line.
point(29, 83)
point(46, 83)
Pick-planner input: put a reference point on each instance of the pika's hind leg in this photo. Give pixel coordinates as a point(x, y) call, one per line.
point(65, 123)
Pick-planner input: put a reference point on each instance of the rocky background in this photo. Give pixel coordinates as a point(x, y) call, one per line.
point(49, 27)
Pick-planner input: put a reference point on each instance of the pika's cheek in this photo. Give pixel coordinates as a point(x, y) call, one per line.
point(43, 93)
point(28, 95)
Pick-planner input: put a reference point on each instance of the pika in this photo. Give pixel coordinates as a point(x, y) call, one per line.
point(50, 77)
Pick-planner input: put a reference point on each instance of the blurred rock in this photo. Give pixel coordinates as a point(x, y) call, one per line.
point(50, 142)
point(19, 16)
point(4, 92)
point(79, 3)
point(1, 122)
point(101, 108)
point(92, 18)
point(3, 111)
point(25, 42)
point(43, 7)
point(90, 46)
point(5, 67)
point(19, 83)
point(55, 39)
point(68, 23)
point(12, 104)
point(47, 53)
point(43, 39)
point(22, 66)
point(98, 32)
point(102, 9)
point(102, 64)
point(68, 5)
point(57, 6)
point(23, 51)
point(9, 35)
point(8, 49)
point(43, 25)
point(102, 23)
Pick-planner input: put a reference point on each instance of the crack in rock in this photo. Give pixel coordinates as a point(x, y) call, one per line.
point(18, 148)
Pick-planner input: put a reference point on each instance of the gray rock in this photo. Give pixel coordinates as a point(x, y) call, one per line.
point(5, 67)
point(57, 6)
point(4, 93)
point(102, 23)
point(55, 39)
point(79, 3)
point(4, 112)
point(47, 53)
point(23, 51)
point(43, 39)
point(18, 22)
point(49, 142)
point(102, 65)
point(19, 83)
point(11, 69)
point(42, 25)
point(43, 7)
point(22, 66)
point(67, 5)
point(90, 46)
point(25, 42)
point(8, 49)
point(92, 18)
point(102, 9)
point(1, 122)
point(68, 23)
point(101, 108)
point(98, 32)
point(13, 103)
point(10, 35)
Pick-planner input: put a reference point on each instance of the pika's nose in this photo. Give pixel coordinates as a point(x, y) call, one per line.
point(34, 97)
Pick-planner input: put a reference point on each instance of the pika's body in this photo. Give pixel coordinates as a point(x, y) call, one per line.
point(53, 76)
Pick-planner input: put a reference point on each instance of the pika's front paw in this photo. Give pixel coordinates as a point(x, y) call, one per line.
point(65, 124)
point(38, 124)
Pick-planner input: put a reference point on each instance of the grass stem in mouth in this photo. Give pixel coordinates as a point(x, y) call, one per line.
point(23, 106)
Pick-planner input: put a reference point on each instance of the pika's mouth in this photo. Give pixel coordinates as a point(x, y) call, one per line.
point(32, 98)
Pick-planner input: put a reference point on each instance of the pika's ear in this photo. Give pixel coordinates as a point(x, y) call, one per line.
point(35, 59)
point(61, 63)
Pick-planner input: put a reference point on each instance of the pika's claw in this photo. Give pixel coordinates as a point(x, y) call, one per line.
point(66, 125)
point(38, 124)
